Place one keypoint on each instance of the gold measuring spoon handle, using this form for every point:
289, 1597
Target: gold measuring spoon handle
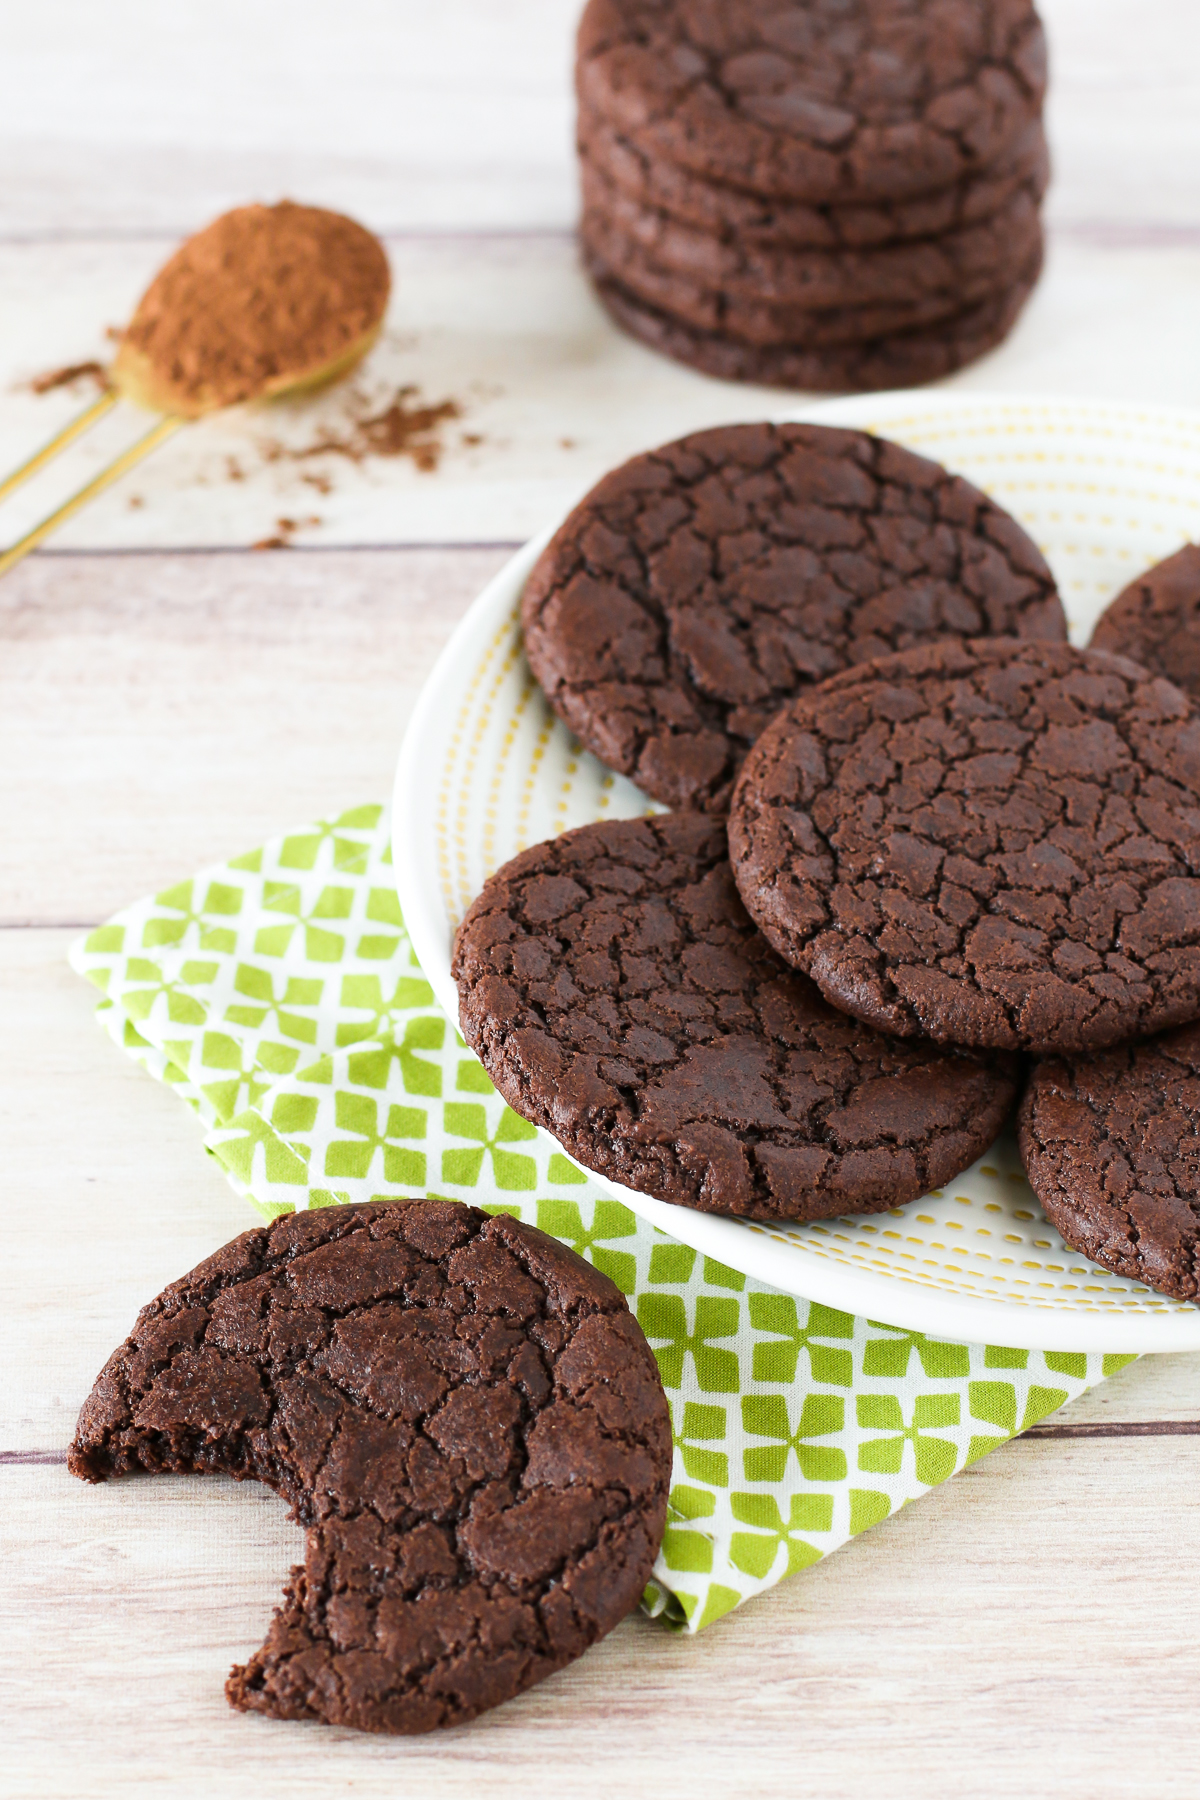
74, 428
113, 472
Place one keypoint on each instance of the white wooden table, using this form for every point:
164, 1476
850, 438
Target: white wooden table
170, 697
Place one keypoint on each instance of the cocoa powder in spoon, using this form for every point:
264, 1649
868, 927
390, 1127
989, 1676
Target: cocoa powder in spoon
257, 300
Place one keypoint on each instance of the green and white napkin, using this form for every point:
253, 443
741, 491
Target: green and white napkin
279, 995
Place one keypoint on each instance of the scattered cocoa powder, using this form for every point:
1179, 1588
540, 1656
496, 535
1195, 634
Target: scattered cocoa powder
72, 372
404, 430
263, 297
403, 427
285, 530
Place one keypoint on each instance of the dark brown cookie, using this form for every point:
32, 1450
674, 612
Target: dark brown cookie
983, 842
905, 360
810, 319
701, 585
719, 283
726, 213
849, 101
618, 995
463, 1414
1156, 620
1112, 1145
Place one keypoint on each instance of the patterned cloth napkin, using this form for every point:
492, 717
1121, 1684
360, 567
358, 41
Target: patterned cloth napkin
279, 995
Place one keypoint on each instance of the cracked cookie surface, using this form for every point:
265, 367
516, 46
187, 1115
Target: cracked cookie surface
769, 295
461, 1411
1111, 1142
984, 842
1156, 620
698, 587
618, 994
732, 215
830, 100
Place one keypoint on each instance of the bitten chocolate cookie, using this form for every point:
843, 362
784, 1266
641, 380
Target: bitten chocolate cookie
460, 1410
733, 214
841, 100
905, 360
1156, 620
699, 586
984, 842
1112, 1146
618, 995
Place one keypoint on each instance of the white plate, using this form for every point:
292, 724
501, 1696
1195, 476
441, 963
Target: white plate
486, 769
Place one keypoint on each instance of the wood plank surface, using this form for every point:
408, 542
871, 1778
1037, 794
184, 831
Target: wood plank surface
1020, 1630
162, 712
549, 394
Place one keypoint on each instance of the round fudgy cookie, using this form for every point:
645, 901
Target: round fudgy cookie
618, 994
701, 585
1156, 620
984, 842
731, 214
667, 262
810, 318
463, 1414
905, 360
817, 100
1111, 1142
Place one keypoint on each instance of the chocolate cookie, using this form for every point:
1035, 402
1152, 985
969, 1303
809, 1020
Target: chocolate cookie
984, 842
810, 318
461, 1412
266, 300
618, 995
848, 101
701, 585
652, 250
729, 213
1112, 1146
905, 360
1156, 620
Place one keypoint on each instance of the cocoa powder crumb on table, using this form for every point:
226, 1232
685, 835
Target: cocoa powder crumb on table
285, 530
402, 428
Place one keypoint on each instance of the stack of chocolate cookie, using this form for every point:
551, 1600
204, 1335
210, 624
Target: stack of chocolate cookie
821, 194
917, 838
